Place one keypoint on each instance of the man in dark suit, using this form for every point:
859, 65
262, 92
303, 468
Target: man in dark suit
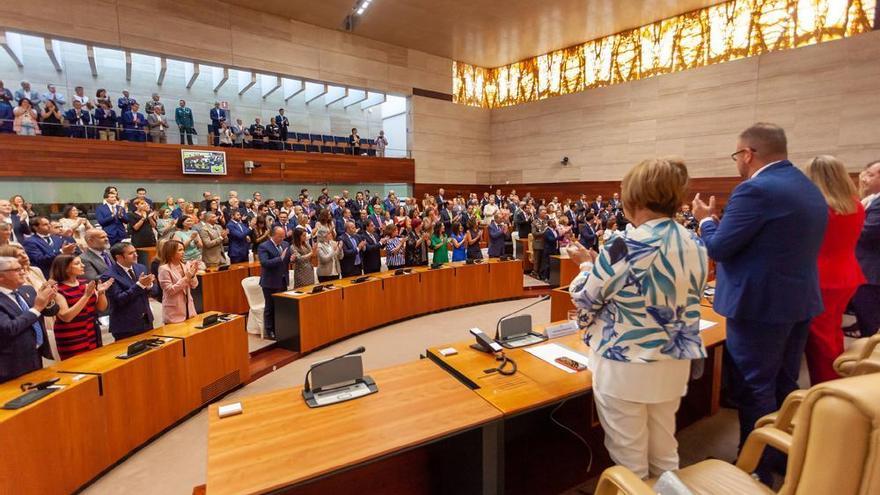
765, 247
615, 202
352, 251
283, 125
43, 247
125, 102
598, 205
376, 218
78, 120
446, 218
587, 235
218, 115
523, 221
20, 229
274, 255
441, 199
498, 235
96, 257
359, 204
134, 124
112, 217
23, 339
866, 302
372, 249
551, 247
239, 237
129, 295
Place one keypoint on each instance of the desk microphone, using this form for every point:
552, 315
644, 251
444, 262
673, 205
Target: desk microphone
307, 387
498, 325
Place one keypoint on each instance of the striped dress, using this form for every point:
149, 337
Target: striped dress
78, 335
394, 260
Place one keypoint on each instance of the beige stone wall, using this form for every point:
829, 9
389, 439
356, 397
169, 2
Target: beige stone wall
825, 96
220, 33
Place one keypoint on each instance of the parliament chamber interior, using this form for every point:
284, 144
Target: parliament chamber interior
565, 247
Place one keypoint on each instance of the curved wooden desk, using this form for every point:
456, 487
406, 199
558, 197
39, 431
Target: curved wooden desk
304, 322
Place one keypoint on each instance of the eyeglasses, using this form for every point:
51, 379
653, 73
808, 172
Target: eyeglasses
19, 270
733, 155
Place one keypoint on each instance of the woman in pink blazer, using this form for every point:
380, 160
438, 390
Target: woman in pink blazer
177, 281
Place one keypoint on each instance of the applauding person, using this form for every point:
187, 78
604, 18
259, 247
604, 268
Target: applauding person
129, 295
79, 302
440, 244
274, 256
177, 278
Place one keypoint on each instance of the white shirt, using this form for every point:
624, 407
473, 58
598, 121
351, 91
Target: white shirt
9, 294
870, 200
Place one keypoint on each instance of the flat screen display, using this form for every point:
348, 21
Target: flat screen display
203, 162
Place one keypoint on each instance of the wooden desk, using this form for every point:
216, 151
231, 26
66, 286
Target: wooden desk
304, 322
279, 442
222, 291
523, 253
562, 270
56, 444
560, 303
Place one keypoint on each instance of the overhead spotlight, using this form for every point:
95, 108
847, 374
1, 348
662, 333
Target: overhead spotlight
357, 10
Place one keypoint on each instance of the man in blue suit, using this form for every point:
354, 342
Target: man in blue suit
79, 121
133, 124
129, 295
23, 339
766, 247
111, 215
498, 234
587, 235
352, 251
218, 116
866, 302
43, 247
20, 230
239, 238
274, 255
125, 102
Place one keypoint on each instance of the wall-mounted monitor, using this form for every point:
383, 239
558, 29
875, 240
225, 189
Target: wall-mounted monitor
203, 162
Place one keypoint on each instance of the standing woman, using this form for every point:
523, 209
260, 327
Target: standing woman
416, 245
301, 258
395, 248
70, 219
177, 280
459, 243
839, 271
329, 254
189, 239
325, 228
165, 225
472, 239
79, 302
50, 120
141, 223
25, 123
259, 232
439, 244
639, 301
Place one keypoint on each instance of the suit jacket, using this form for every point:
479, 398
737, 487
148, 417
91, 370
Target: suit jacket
587, 236
217, 115
111, 222
18, 341
156, 122
105, 118
212, 244
238, 244
40, 253
350, 252
374, 218
125, 104
551, 242
372, 255
133, 124
130, 312
868, 247
94, 264
19, 228
766, 247
274, 272
183, 117
496, 240
71, 117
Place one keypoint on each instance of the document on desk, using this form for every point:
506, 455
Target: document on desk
549, 353
706, 324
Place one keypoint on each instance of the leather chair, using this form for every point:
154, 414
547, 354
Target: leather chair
858, 350
834, 450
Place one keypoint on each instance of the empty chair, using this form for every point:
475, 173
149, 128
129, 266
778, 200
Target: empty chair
254, 295
858, 350
340, 144
835, 448
327, 144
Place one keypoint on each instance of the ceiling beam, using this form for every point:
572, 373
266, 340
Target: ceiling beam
219, 75
291, 88
128, 65
11, 42
269, 84
246, 81
354, 97
334, 94
314, 91
190, 73
53, 50
373, 99
161, 69
93, 63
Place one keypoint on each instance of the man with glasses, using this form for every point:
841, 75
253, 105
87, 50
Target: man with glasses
24, 341
766, 247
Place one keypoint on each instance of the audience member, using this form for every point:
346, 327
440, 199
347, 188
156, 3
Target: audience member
381, 144
51, 120
839, 272
239, 235
372, 254
106, 121
354, 142
440, 244
6, 235
638, 388
134, 124
258, 133
498, 236
19, 224
129, 294
154, 105
212, 236
96, 256
77, 225
765, 247
217, 115
303, 256
43, 246
79, 95
25, 123
141, 223
26, 93
79, 121
79, 302
866, 303
22, 308
112, 217
274, 256
157, 123
329, 254
124, 103
177, 278
189, 238
183, 117
352, 248
539, 225
551, 248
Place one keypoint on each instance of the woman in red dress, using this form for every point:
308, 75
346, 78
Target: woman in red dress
78, 302
839, 272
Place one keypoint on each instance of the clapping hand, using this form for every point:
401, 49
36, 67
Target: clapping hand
192, 268
103, 286
90, 289
46, 295
193, 235
68, 248
284, 252
702, 210
579, 254
146, 280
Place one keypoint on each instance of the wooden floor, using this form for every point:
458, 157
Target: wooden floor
269, 359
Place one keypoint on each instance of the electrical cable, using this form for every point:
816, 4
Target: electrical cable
576, 434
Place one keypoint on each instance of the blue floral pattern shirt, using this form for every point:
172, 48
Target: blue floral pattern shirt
640, 302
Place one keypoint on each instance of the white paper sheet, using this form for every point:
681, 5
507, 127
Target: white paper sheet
549, 353
706, 324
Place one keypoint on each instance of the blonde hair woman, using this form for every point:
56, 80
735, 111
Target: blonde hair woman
839, 271
640, 306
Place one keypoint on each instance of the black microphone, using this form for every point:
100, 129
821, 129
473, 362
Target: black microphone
498, 325
307, 387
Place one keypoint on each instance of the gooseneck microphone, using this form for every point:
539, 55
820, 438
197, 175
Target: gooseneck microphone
498, 324
307, 387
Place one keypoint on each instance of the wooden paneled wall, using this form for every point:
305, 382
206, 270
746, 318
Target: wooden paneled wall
65, 158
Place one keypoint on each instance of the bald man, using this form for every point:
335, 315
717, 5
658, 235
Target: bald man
96, 257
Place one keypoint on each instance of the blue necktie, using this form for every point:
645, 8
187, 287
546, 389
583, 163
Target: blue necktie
357, 257
106, 258
38, 330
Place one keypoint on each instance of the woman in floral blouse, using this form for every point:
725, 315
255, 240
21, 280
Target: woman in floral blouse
639, 301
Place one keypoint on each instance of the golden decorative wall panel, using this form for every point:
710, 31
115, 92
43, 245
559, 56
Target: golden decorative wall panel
728, 31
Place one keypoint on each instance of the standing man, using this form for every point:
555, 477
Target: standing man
381, 144
354, 142
133, 124
27, 92
20, 228
539, 225
125, 102
498, 235
239, 236
866, 302
372, 254
274, 255
111, 215
79, 95
54, 96
352, 251
96, 257
183, 117
157, 123
283, 125
213, 236
78, 119
129, 294
218, 115
766, 248
155, 106
257, 132
43, 246
22, 308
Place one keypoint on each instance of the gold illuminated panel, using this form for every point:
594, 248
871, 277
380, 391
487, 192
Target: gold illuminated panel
727, 31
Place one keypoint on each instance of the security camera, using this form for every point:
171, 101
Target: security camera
564, 161
249, 166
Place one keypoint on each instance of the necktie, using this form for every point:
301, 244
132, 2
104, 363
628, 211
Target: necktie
38, 330
357, 257
106, 258
48, 240
131, 275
